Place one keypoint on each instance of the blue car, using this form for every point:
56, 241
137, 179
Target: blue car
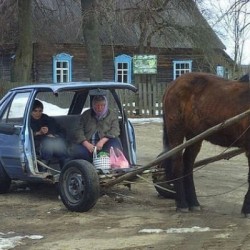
78, 181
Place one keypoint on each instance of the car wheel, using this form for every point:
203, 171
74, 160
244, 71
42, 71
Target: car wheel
5, 181
79, 185
163, 183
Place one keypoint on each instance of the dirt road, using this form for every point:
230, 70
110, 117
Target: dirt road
36, 219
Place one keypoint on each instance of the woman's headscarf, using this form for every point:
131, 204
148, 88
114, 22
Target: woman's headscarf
100, 98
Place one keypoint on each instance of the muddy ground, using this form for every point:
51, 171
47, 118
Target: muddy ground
143, 220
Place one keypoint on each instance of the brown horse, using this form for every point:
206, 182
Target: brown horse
193, 103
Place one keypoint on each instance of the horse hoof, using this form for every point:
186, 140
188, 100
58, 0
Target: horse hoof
182, 210
195, 208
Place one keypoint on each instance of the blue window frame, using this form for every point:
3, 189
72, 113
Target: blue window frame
123, 68
62, 68
220, 70
182, 67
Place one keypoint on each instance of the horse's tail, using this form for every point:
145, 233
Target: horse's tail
167, 163
165, 135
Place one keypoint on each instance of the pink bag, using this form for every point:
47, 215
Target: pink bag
117, 159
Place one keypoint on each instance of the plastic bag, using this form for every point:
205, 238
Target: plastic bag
117, 159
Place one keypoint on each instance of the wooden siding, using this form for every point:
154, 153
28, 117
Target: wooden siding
43, 61
7, 52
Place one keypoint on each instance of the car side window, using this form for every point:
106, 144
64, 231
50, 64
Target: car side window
14, 112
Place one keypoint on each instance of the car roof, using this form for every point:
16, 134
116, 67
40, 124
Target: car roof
74, 86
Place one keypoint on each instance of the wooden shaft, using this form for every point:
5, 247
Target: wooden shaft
166, 154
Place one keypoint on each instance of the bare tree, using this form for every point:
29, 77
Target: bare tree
92, 39
232, 23
8, 21
238, 16
60, 19
169, 24
23, 58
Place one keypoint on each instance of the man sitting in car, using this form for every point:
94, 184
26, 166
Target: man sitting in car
48, 136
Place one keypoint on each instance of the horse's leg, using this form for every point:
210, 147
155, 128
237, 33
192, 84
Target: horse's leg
246, 204
189, 157
176, 137
180, 195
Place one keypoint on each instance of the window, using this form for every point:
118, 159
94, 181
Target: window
182, 67
62, 68
220, 71
14, 112
123, 65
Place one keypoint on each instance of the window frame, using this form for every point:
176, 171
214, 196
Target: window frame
14, 112
124, 59
175, 62
220, 70
62, 58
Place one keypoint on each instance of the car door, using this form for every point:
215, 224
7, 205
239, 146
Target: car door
12, 133
127, 135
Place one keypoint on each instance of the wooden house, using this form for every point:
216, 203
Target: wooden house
148, 43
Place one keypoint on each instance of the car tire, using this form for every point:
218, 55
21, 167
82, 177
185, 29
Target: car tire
5, 181
161, 180
79, 185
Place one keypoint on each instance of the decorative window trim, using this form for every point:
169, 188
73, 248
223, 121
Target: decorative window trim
124, 59
175, 62
220, 70
62, 57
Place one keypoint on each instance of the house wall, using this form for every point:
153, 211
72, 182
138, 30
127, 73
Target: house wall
165, 60
5, 65
6, 59
43, 61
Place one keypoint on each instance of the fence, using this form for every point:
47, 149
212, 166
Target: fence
146, 102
